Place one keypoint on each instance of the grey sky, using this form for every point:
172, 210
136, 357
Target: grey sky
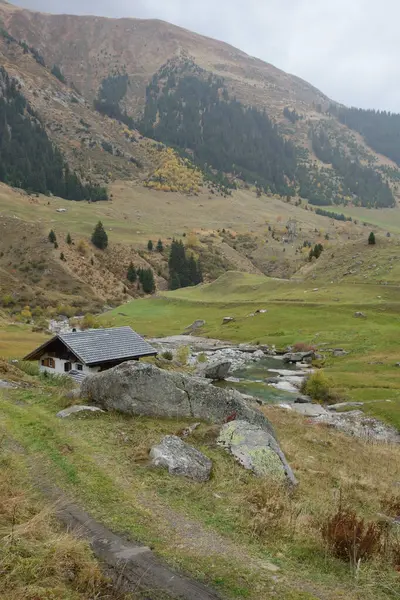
347, 48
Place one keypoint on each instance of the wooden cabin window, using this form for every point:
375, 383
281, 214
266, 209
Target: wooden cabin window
79, 367
49, 362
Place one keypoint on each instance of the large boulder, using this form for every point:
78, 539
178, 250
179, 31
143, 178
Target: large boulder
295, 357
256, 449
137, 388
181, 459
217, 370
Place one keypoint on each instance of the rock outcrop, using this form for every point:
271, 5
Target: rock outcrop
181, 459
143, 389
73, 410
295, 357
216, 370
256, 449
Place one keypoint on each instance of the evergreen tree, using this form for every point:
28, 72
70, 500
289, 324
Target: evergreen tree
371, 239
131, 274
62, 257
183, 271
56, 71
69, 239
52, 237
100, 237
160, 246
148, 282
150, 246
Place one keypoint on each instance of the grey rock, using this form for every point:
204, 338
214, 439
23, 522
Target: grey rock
303, 400
360, 315
259, 354
273, 380
227, 320
181, 459
309, 410
74, 394
142, 389
256, 450
341, 405
339, 352
194, 326
72, 410
217, 370
295, 357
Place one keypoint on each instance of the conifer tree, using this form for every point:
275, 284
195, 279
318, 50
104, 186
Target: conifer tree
100, 237
371, 239
148, 282
69, 239
160, 246
150, 246
131, 274
52, 237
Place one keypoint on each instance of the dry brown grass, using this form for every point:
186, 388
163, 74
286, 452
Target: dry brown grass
37, 559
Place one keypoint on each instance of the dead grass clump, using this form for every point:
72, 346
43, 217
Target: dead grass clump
390, 505
36, 559
350, 538
268, 508
303, 347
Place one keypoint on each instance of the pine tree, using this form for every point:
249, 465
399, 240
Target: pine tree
69, 239
131, 274
371, 239
160, 246
150, 246
148, 282
52, 237
62, 257
100, 237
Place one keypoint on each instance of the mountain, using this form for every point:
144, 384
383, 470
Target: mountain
237, 117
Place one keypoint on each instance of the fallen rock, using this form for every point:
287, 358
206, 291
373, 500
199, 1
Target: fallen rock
360, 315
256, 450
359, 425
303, 400
194, 326
295, 357
181, 459
227, 320
259, 354
341, 405
142, 389
217, 370
339, 352
72, 410
308, 410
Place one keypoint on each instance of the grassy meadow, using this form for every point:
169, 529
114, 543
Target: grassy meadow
297, 312
246, 538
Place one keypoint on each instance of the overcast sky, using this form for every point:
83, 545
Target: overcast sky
349, 49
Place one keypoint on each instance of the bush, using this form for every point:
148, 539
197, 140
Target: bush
303, 347
202, 358
318, 386
167, 355
89, 321
350, 538
182, 354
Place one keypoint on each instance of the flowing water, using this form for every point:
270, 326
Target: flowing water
252, 380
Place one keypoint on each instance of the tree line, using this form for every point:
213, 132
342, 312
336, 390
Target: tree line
189, 111
28, 159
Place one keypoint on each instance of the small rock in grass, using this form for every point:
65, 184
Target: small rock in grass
72, 410
181, 459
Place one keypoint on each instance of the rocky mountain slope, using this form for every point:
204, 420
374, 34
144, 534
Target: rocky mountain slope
135, 70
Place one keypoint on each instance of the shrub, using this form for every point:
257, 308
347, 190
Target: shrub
7, 300
52, 237
202, 358
167, 355
318, 386
267, 507
82, 247
89, 321
182, 354
350, 538
303, 347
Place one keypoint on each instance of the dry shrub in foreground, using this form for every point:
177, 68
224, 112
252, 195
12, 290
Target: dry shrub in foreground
303, 347
349, 538
268, 508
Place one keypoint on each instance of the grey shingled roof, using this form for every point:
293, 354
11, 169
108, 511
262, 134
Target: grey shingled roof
97, 346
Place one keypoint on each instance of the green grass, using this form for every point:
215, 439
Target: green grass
296, 313
100, 460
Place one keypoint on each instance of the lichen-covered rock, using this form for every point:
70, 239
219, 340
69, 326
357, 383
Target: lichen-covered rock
256, 450
181, 459
142, 389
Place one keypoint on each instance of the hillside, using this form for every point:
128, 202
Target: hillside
153, 79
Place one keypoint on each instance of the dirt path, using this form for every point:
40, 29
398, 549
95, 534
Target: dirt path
133, 565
